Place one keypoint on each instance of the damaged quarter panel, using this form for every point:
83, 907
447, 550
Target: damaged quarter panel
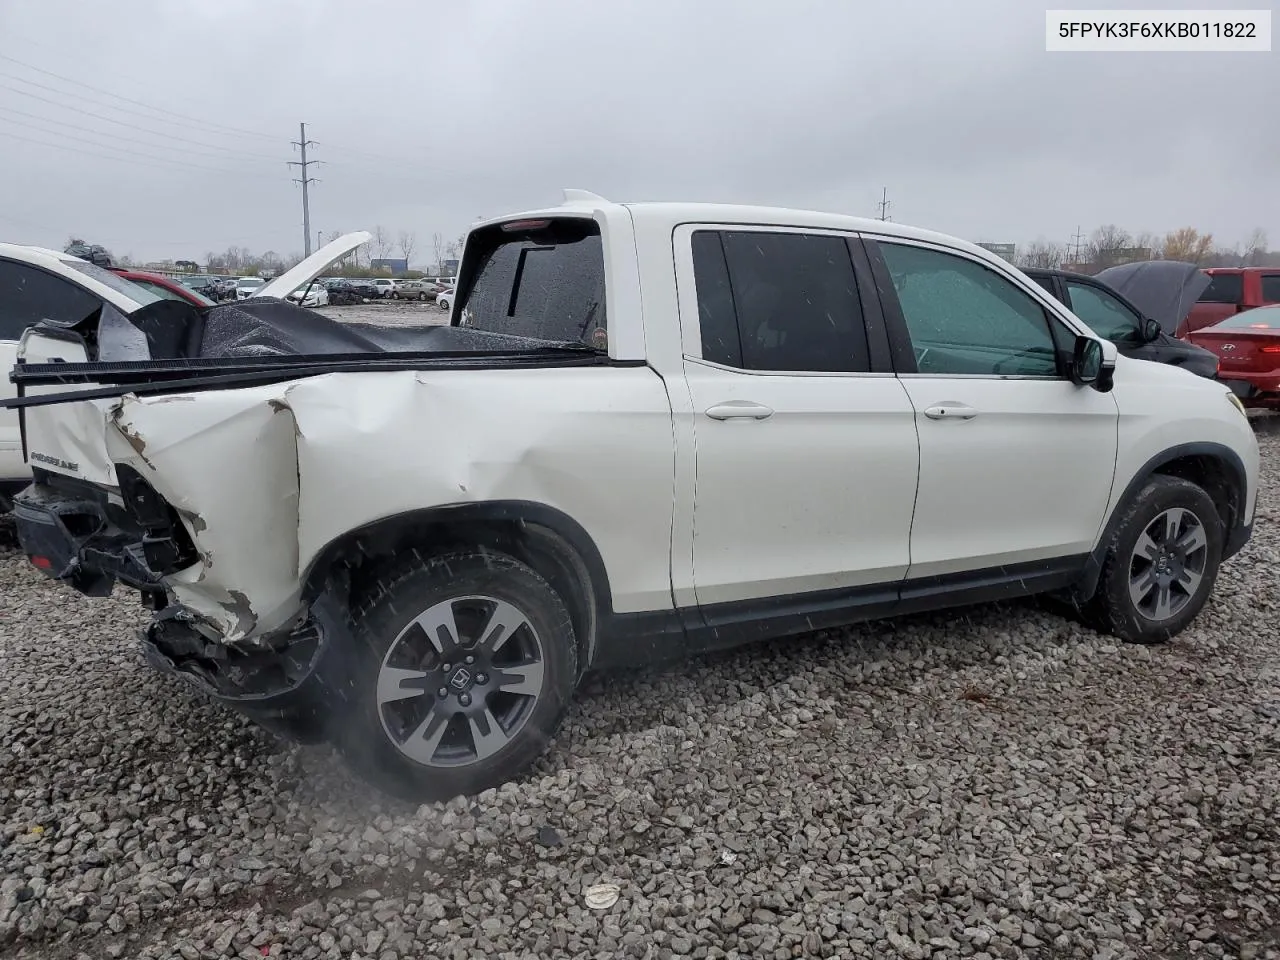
592, 442
228, 465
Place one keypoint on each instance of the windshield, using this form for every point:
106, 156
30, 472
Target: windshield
544, 283
113, 280
1263, 318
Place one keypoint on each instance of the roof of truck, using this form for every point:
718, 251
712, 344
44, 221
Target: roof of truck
669, 213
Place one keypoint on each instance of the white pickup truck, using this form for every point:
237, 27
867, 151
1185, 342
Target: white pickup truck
649, 429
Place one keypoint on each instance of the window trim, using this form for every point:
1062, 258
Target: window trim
65, 279
873, 320
904, 352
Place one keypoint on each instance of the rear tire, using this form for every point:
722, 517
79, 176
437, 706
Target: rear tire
466, 663
1160, 565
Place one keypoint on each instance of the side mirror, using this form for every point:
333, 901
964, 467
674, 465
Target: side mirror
1086, 362
1150, 330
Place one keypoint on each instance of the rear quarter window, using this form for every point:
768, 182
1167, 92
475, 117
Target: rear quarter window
543, 283
1271, 288
1224, 288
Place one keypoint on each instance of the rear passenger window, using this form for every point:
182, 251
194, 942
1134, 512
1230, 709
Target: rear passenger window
778, 301
1271, 288
1224, 288
29, 295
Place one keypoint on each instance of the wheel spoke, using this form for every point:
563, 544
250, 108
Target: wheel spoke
439, 626
1147, 547
422, 743
395, 683
1192, 540
1164, 602
1172, 524
524, 679
1140, 587
486, 733
1190, 581
503, 622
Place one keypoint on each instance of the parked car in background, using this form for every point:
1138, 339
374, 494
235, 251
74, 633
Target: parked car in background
314, 294
385, 286
1111, 315
366, 288
202, 283
414, 290
248, 287
1248, 347
1233, 290
224, 288
343, 293
40, 284
444, 299
164, 287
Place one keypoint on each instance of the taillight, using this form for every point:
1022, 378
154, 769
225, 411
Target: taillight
41, 563
1274, 349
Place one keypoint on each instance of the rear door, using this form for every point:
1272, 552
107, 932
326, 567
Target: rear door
806, 453
1016, 461
29, 294
1221, 299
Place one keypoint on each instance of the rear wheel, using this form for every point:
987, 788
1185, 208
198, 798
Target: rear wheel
1161, 563
468, 662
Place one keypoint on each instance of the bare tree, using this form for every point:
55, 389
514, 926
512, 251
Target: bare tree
437, 250
408, 243
1043, 255
1255, 249
1150, 242
1107, 245
381, 242
1188, 244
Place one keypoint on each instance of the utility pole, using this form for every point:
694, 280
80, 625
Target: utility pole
884, 205
302, 143
1075, 257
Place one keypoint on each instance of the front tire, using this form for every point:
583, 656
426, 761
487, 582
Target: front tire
1161, 563
467, 662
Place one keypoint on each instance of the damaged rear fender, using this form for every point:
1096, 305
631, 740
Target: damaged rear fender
229, 466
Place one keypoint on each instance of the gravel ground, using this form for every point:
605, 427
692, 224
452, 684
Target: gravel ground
407, 312
995, 783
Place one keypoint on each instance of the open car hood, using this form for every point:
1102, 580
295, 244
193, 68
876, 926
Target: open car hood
1164, 290
314, 265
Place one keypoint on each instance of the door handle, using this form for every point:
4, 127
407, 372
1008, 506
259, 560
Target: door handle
950, 411
739, 410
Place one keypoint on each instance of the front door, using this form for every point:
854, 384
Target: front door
806, 461
1016, 461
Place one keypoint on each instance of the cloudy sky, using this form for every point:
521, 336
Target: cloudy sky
161, 127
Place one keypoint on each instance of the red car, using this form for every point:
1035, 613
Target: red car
1231, 291
164, 287
1248, 349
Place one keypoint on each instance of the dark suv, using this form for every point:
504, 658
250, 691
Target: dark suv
1112, 316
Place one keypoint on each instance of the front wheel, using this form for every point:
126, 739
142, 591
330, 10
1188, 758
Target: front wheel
467, 664
1161, 563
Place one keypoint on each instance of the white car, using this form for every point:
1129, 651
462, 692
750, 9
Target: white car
385, 286
247, 287
315, 295
444, 299
39, 284
649, 429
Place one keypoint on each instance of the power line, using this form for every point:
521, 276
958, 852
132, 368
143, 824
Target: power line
202, 124
142, 143
99, 156
302, 143
122, 123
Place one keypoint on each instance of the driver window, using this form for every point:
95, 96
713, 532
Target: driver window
1106, 315
964, 318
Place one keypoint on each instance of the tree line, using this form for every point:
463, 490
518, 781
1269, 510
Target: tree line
1110, 245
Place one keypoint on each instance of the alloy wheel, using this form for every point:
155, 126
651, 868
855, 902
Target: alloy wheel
1167, 565
460, 681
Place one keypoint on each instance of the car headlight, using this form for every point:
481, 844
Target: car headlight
1237, 403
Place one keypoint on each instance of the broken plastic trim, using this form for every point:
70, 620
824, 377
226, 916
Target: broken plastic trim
155, 377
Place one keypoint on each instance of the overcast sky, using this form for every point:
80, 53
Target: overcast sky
428, 115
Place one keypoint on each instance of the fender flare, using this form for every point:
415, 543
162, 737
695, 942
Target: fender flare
1235, 471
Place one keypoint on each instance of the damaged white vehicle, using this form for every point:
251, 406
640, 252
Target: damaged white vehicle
650, 429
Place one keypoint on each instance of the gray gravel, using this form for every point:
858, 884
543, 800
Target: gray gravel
997, 783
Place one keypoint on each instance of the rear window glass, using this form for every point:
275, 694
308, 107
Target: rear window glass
1263, 318
113, 280
1271, 288
1224, 288
544, 284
